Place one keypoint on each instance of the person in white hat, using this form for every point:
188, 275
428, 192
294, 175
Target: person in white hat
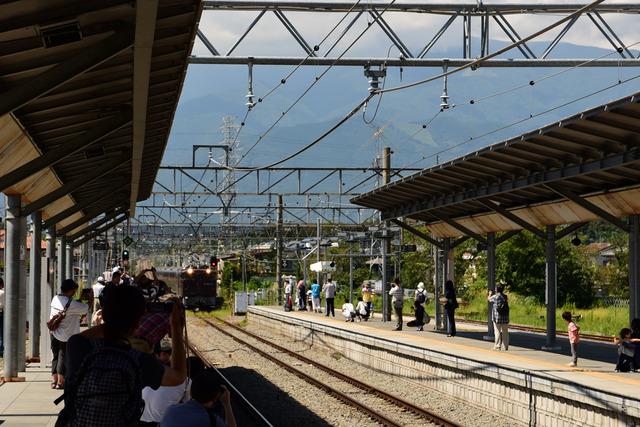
97, 290
421, 294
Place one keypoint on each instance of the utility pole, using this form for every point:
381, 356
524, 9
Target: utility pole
279, 249
386, 243
318, 238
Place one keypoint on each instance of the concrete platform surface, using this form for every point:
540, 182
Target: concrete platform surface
596, 363
29, 403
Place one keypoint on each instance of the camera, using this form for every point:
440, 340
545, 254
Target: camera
160, 307
86, 294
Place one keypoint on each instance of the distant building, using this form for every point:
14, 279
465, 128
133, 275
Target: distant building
602, 254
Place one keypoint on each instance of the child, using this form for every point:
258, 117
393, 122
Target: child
419, 321
626, 350
574, 337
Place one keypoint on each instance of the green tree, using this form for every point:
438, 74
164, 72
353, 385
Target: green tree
521, 265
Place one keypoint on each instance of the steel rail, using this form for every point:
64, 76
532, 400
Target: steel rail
436, 419
302, 375
255, 413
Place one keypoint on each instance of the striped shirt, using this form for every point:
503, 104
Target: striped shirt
397, 295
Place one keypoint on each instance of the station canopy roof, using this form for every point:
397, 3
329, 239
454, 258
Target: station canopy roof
576, 170
88, 93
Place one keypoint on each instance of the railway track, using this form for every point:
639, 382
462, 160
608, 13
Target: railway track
345, 398
237, 396
524, 328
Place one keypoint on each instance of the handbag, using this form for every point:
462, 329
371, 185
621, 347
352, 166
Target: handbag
54, 322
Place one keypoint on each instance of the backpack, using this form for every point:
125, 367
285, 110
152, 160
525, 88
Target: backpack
106, 391
420, 297
502, 306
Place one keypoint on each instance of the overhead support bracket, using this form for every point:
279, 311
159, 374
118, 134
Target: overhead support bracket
514, 218
506, 236
76, 207
587, 205
91, 227
72, 186
49, 80
418, 233
460, 228
52, 157
570, 229
100, 230
86, 218
458, 242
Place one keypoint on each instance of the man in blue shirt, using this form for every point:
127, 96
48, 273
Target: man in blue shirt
206, 390
315, 294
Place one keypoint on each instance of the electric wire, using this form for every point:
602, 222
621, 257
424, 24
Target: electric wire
475, 63
519, 121
317, 79
284, 79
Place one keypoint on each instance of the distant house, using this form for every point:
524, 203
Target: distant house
602, 254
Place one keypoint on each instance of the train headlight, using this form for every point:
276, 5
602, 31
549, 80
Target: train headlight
208, 271
190, 270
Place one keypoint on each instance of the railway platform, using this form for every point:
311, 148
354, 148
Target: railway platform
527, 384
30, 402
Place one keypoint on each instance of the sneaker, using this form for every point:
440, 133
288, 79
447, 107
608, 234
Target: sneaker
572, 364
419, 329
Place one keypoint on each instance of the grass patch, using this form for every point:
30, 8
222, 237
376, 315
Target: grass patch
527, 311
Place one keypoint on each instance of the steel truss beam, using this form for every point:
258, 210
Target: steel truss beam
490, 18
100, 230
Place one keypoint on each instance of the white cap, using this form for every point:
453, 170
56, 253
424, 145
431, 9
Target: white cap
100, 279
116, 270
420, 285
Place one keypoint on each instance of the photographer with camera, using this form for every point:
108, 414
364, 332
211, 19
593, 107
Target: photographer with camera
102, 360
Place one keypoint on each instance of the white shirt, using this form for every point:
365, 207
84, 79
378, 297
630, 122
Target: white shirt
156, 402
362, 308
97, 289
287, 289
70, 325
1, 299
347, 309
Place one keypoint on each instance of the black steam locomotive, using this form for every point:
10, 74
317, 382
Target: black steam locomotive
196, 286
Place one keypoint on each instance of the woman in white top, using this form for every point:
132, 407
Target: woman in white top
69, 326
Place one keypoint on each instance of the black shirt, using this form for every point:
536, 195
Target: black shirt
79, 346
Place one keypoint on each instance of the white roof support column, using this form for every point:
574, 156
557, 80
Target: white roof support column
146, 11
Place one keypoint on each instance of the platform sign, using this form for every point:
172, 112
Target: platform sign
127, 240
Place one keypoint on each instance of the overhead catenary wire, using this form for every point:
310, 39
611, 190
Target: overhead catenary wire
285, 78
456, 70
316, 80
530, 83
475, 63
519, 121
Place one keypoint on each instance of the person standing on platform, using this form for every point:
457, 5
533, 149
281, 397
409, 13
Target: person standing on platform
302, 295
500, 314
418, 322
574, 337
329, 290
450, 307
69, 325
315, 295
367, 297
1, 318
287, 296
397, 300
97, 290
